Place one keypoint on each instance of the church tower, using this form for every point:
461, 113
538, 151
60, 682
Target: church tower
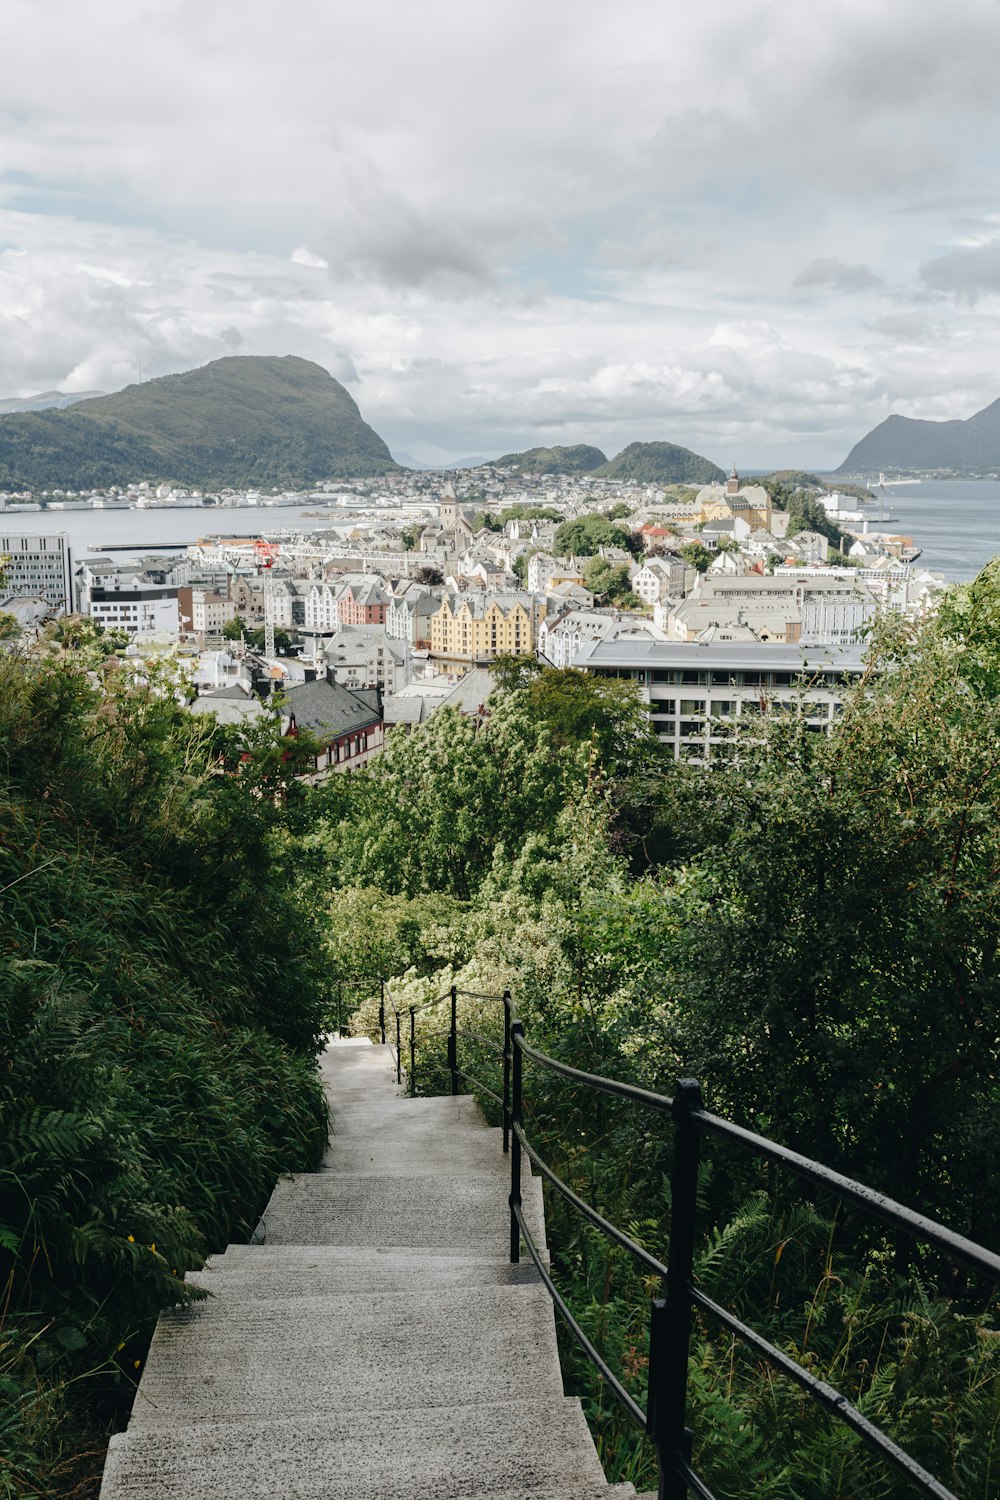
448, 507
733, 485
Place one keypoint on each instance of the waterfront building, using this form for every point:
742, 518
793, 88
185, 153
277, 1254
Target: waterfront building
38, 564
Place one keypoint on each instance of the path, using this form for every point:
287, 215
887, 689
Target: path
378, 1345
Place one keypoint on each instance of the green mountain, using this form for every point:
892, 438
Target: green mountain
577, 459
969, 447
248, 420
660, 463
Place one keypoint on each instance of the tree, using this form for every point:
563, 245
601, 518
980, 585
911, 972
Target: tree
610, 581
234, 628
697, 556
586, 535
428, 574
9, 628
410, 536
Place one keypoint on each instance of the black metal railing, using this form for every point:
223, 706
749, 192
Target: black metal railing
366, 987
665, 1419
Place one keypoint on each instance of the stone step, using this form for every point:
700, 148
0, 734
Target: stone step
223, 1361
533, 1449
418, 1152
402, 1114
374, 1255
452, 1212
311, 1274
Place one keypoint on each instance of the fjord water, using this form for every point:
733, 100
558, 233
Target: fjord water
955, 522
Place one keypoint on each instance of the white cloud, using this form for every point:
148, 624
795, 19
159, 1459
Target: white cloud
493, 218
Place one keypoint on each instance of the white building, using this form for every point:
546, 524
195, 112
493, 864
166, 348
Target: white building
139, 611
699, 696
38, 564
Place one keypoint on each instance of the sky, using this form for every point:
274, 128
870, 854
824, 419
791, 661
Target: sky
754, 229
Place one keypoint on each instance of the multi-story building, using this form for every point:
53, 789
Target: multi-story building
203, 614
699, 696
478, 627
40, 565
139, 611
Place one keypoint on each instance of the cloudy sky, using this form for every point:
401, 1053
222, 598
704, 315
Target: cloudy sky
751, 228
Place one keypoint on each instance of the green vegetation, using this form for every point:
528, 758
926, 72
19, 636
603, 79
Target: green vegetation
813, 930
697, 556
584, 536
805, 510
237, 422
159, 1011
609, 583
660, 463
577, 458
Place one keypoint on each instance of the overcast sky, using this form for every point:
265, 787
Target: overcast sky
754, 229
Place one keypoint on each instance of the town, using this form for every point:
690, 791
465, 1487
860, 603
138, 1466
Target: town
713, 600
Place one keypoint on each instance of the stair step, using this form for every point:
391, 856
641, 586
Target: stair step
407, 1115
311, 1275
422, 1152
403, 1255
510, 1450
453, 1212
224, 1360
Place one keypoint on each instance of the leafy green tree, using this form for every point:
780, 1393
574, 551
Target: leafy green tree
234, 628
697, 556
610, 582
583, 537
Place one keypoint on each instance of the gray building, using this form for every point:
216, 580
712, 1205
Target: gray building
39, 565
699, 694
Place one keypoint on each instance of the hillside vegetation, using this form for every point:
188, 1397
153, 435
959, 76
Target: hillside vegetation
813, 930
660, 463
159, 1012
575, 459
906, 443
239, 422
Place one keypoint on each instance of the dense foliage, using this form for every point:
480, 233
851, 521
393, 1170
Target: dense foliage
237, 422
159, 1014
576, 458
813, 929
660, 463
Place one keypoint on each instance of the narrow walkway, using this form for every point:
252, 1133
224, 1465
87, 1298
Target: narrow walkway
377, 1345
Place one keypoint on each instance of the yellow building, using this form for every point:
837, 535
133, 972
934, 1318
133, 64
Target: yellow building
479, 627
721, 502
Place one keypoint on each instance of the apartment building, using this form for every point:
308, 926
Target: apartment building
699, 695
479, 627
39, 565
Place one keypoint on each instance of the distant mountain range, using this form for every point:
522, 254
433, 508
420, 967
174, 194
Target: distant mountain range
46, 400
248, 420
641, 463
969, 447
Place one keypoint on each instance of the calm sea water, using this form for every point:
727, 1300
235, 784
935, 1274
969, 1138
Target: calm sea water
956, 522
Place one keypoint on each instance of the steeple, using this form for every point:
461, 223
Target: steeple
733, 487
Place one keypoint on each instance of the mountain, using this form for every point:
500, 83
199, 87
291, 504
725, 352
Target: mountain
660, 463
248, 420
45, 401
971, 447
577, 459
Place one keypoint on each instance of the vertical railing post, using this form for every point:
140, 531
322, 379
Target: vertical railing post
413, 1050
516, 1033
670, 1326
453, 1041
340, 1009
506, 1071
399, 1053
381, 1009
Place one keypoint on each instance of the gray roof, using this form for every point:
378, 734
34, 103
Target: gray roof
328, 709
398, 710
471, 692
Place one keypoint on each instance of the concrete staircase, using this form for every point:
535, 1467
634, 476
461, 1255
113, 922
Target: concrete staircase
377, 1345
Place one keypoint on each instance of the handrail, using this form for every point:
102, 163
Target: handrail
671, 1318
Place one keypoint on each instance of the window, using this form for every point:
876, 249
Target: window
663, 705
723, 707
692, 705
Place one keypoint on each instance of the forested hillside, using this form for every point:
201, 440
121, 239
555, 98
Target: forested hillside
160, 985
812, 929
